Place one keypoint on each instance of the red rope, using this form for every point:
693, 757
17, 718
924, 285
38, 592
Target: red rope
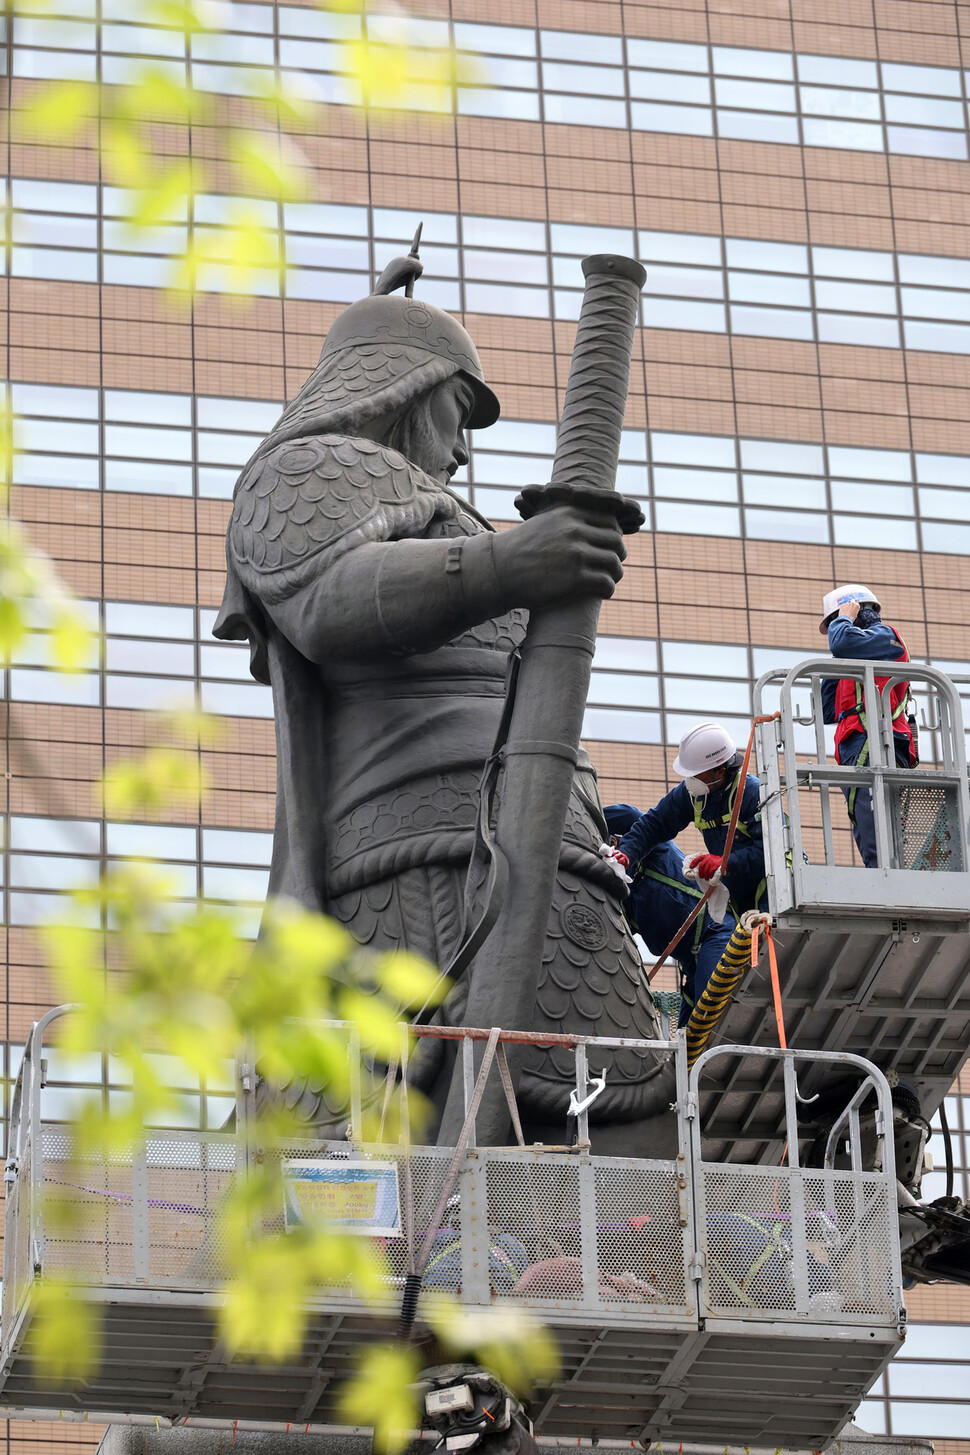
775, 982
726, 854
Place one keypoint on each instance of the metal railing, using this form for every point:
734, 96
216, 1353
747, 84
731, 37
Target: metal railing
820, 1242
139, 1218
921, 815
653, 1242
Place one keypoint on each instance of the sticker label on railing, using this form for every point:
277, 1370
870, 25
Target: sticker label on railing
356, 1197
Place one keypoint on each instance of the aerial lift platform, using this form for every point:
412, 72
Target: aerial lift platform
690, 1299
871, 961
745, 1291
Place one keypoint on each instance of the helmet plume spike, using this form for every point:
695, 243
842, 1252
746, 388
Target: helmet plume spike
402, 271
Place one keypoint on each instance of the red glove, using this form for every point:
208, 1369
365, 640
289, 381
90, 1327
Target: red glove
621, 858
706, 865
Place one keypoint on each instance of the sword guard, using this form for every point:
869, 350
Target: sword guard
625, 510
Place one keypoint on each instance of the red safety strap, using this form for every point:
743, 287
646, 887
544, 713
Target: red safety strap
726, 853
775, 983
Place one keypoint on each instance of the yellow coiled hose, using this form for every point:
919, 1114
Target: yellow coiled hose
725, 979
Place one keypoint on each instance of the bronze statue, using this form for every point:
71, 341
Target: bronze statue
383, 611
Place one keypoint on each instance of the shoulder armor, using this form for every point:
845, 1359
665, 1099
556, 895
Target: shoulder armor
306, 502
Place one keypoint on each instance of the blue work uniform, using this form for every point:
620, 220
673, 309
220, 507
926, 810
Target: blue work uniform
745, 879
660, 901
875, 643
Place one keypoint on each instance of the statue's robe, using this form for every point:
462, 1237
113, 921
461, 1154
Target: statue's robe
379, 760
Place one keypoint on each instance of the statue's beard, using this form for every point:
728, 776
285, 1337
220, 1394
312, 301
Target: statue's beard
414, 436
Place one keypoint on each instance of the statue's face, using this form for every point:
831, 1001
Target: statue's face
441, 449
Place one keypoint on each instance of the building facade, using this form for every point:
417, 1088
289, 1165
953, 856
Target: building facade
793, 173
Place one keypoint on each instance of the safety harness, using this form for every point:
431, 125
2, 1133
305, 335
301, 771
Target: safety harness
850, 715
723, 821
775, 1246
684, 888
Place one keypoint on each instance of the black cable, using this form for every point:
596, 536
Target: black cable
409, 1306
947, 1147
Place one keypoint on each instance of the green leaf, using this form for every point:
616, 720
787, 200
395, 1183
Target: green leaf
13, 626
377, 1021
153, 93
381, 71
381, 1394
61, 112
180, 14
192, 726
409, 981
65, 1333
270, 165
123, 157
264, 1314
71, 640
311, 942
283, 101
161, 778
506, 1340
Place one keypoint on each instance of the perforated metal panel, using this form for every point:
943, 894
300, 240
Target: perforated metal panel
644, 1232
783, 1242
145, 1215
547, 1230
926, 829
17, 1270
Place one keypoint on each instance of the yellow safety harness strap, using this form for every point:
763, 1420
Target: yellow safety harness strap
774, 1243
701, 823
898, 710
725, 855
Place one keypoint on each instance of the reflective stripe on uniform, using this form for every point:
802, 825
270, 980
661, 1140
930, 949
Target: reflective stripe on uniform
684, 888
702, 823
773, 1244
860, 762
850, 704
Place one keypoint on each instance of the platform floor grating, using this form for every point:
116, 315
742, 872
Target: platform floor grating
900, 1001
676, 1382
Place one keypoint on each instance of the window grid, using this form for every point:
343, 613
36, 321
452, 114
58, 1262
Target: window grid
763, 489
524, 74
915, 115
695, 282
145, 658
44, 858
136, 441
150, 657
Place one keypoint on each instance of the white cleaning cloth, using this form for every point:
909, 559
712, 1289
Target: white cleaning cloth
718, 903
607, 852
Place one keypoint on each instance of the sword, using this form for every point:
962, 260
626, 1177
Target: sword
540, 754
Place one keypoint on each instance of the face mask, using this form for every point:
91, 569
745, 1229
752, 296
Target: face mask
696, 787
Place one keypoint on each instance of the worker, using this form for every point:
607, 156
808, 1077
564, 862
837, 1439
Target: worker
710, 765
852, 622
660, 900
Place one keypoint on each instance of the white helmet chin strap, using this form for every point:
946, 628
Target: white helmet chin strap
696, 787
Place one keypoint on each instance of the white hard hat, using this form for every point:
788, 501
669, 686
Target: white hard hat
703, 747
832, 600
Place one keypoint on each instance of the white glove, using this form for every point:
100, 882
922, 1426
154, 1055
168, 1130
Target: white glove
616, 862
717, 905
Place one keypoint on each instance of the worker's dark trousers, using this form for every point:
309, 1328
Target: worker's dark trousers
697, 971
859, 800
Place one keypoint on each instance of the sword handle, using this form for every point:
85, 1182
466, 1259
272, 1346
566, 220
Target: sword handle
588, 444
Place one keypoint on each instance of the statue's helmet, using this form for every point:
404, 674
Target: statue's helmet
380, 354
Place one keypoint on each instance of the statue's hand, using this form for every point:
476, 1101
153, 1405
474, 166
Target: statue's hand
559, 554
